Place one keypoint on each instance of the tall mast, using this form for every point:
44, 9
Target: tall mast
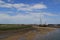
40, 20
45, 20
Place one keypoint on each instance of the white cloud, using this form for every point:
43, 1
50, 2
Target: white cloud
20, 18
39, 6
31, 17
9, 0
29, 7
4, 18
1, 2
49, 14
22, 6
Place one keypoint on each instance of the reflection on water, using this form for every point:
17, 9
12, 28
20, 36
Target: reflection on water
37, 34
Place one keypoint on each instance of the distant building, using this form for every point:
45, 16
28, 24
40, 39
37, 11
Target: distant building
53, 25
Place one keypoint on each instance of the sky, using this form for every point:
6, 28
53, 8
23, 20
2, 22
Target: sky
29, 11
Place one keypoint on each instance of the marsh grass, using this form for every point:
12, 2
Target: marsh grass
13, 26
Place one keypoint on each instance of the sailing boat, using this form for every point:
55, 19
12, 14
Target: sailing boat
41, 22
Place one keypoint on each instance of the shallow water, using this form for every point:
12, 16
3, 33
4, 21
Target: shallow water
32, 35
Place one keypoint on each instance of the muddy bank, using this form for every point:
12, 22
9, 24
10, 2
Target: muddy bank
24, 34
7, 33
32, 34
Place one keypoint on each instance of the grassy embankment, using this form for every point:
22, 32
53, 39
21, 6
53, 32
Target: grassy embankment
13, 26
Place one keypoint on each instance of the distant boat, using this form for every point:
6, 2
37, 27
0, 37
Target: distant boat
41, 22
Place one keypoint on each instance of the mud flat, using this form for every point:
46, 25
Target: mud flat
10, 34
38, 33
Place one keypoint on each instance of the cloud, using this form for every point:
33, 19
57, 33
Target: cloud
5, 18
39, 6
50, 14
24, 19
22, 6
30, 17
9, 0
3, 4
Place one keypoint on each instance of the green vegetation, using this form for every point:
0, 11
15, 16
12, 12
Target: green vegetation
13, 26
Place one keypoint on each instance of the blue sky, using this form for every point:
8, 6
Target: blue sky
29, 11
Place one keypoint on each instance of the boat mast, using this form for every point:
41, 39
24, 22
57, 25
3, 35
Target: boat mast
40, 20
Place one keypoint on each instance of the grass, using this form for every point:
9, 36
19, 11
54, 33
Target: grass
13, 26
